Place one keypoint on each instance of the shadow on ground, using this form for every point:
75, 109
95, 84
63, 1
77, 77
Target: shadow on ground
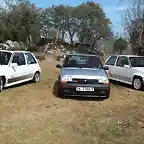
55, 93
18, 85
121, 84
54, 90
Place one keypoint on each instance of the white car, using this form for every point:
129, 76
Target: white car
17, 67
128, 69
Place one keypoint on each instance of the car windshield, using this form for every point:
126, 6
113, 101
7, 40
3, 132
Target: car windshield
4, 57
81, 61
137, 61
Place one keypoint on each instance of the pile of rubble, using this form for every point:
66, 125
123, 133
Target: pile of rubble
50, 48
10, 45
58, 51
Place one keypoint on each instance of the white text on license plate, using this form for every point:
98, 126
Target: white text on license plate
84, 89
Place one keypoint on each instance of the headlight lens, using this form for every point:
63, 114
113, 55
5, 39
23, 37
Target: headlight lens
103, 80
66, 78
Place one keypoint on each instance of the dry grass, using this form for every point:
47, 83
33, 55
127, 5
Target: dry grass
30, 114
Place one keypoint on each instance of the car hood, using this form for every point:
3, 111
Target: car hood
84, 72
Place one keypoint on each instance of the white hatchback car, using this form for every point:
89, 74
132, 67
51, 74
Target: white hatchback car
17, 67
128, 69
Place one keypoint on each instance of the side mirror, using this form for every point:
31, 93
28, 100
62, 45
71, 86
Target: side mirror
127, 66
13, 64
58, 66
106, 68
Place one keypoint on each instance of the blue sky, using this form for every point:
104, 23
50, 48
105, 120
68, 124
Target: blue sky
112, 8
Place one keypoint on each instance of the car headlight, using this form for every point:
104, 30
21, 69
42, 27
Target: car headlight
104, 80
66, 78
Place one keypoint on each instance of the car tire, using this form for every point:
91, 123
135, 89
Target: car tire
36, 77
107, 97
137, 83
60, 92
1, 84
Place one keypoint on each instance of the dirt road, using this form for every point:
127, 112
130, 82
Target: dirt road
31, 114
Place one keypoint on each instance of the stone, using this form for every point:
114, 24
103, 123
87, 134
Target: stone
4, 46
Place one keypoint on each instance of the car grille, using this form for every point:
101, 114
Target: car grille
85, 81
94, 93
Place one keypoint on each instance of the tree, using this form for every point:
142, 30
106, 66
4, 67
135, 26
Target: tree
60, 20
21, 22
134, 24
120, 45
71, 23
87, 21
47, 21
65, 21
3, 27
93, 23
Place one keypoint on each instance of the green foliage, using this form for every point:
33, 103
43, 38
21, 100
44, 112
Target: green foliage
20, 22
23, 21
120, 45
93, 23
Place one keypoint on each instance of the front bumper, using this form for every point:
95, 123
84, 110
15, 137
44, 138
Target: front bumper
100, 90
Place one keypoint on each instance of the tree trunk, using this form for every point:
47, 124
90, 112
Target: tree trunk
113, 51
71, 35
62, 36
57, 34
81, 39
71, 39
94, 42
120, 51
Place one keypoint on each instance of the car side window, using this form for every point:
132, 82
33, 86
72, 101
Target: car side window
111, 60
30, 59
19, 59
122, 60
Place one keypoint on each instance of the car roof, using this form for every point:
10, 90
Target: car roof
126, 55
15, 51
82, 54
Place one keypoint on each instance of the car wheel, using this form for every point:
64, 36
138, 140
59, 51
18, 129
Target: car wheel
107, 97
1, 84
36, 77
59, 91
137, 83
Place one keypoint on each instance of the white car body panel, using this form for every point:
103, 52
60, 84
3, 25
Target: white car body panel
33, 67
25, 72
18, 71
123, 74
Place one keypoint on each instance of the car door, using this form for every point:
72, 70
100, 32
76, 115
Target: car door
32, 64
20, 71
123, 73
111, 64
